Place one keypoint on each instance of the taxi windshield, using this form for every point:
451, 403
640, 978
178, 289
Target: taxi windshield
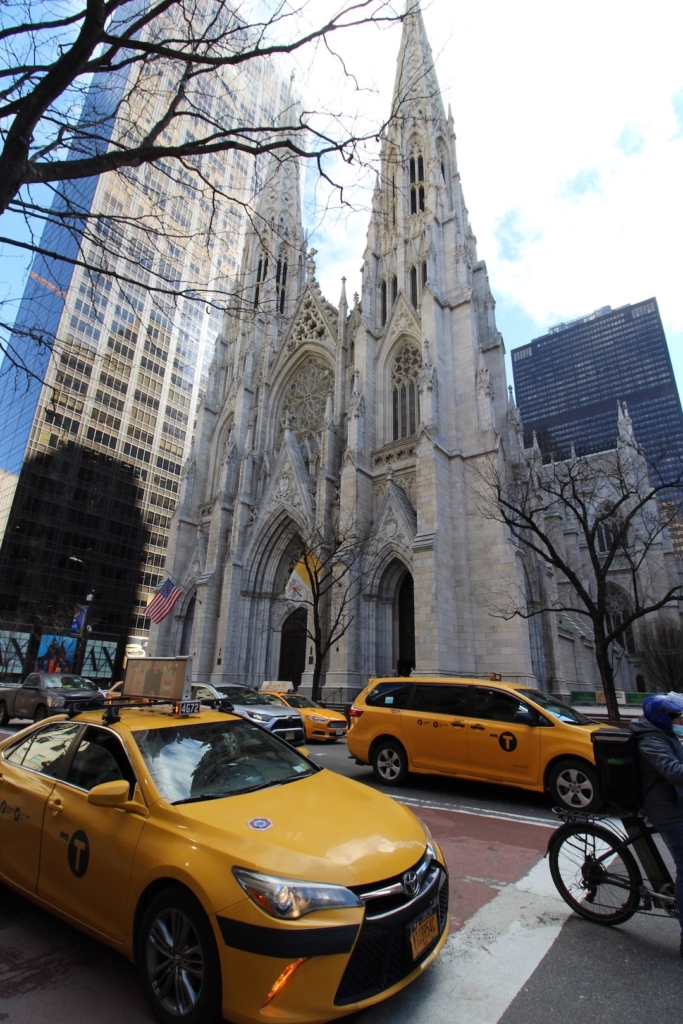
210, 760
295, 701
555, 707
241, 695
57, 682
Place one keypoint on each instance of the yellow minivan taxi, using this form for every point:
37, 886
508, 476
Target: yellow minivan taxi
488, 731
245, 881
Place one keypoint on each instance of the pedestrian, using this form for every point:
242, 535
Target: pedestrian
660, 754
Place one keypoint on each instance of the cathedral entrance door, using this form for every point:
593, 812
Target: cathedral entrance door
293, 647
406, 626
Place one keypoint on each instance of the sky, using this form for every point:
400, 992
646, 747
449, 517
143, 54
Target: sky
569, 124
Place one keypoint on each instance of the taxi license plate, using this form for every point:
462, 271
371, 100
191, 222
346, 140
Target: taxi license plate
423, 932
290, 735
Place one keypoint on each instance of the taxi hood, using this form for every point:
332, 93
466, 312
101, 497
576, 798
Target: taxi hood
322, 828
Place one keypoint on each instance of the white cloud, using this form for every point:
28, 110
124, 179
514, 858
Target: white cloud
570, 146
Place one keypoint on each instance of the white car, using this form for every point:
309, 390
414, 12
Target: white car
282, 721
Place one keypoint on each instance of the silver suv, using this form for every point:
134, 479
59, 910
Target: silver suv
282, 721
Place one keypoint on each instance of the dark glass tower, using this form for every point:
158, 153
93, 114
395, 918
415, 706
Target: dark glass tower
567, 384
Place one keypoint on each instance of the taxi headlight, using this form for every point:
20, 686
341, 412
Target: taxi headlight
55, 702
316, 718
259, 716
431, 845
289, 898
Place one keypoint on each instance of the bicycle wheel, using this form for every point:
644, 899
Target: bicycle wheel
607, 891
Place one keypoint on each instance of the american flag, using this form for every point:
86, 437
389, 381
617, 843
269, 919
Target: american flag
163, 601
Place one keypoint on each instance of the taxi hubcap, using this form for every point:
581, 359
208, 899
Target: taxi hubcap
574, 788
389, 764
175, 962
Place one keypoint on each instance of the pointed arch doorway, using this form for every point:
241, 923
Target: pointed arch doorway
404, 622
293, 647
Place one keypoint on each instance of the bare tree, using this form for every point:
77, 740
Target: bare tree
660, 649
598, 523
334, 566
153, 92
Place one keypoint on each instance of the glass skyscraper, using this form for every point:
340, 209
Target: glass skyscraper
567, 384
93, 442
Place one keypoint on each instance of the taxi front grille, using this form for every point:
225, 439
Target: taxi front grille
283, 725
382, 956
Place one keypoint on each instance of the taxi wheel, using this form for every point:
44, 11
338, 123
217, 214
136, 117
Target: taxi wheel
389, 763
574, 784
178, 960
40, 713
4, 716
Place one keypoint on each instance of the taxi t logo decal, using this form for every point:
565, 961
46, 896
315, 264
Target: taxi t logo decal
78, 853
260, 824
508, 741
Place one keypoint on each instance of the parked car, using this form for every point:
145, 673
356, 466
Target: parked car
43, 694
319, 722
248, 703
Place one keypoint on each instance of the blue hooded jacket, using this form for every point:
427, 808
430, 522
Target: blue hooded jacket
661, 771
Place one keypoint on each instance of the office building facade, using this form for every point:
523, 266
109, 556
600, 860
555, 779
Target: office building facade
567, 384
94, 441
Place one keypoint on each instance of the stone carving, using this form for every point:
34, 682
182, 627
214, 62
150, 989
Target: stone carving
306, 399
407, 366
310, 325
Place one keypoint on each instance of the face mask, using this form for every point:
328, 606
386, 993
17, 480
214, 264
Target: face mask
678, 730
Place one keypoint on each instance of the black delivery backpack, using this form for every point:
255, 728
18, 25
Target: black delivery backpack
618, 770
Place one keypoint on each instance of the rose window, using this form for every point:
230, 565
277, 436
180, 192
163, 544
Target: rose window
306, 398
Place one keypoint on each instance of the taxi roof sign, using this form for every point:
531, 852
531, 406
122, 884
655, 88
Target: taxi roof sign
276, 686
162, 678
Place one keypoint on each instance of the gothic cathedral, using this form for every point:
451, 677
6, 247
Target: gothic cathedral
372, 414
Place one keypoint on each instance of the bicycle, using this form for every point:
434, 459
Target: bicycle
596, 873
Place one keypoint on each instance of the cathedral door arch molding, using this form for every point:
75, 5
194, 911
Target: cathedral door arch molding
272, 555
395, 622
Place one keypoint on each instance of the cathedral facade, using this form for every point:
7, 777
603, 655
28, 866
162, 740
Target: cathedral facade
373, 412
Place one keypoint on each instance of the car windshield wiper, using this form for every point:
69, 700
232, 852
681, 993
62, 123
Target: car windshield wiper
240, 792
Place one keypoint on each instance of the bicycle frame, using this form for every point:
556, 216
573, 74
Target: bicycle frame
639, 837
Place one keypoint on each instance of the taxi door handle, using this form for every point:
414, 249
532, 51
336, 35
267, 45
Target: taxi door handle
458, 725
2, 778
55, 805
479, 728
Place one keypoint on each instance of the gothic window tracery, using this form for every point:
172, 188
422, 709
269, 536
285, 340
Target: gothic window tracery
617, 611
306, 398
404, 377
281, 283
261, 272
417, 177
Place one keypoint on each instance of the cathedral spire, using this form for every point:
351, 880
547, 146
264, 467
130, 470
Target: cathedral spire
416, 89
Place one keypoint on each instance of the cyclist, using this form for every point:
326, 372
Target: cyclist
661, 770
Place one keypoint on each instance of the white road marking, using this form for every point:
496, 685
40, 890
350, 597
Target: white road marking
484, 965
479, 812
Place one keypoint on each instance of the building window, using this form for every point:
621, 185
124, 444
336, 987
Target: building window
617, 611
404, 375
394, 290
383, 303
413, 286
281, 284
393, 199
424, 274
260, 278
417, 189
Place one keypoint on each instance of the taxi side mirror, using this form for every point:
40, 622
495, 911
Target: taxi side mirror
525, 718
304, 750
109, 794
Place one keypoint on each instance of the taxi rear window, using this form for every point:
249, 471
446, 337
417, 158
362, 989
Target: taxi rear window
389, 695
210, 760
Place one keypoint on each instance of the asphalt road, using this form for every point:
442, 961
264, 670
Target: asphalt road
516, 954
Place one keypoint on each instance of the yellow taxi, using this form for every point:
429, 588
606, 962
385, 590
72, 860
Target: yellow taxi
243, 880
498, 732
320, 723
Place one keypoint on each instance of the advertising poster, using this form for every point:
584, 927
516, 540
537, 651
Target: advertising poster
155, 677
56, 653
